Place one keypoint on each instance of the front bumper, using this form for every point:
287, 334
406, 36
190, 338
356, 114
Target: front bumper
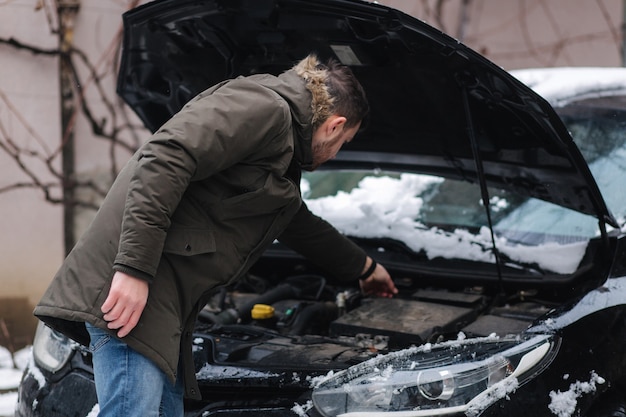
72, 395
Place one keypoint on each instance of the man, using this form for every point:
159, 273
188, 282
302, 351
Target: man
191, 211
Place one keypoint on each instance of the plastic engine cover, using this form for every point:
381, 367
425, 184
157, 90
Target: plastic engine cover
403, 321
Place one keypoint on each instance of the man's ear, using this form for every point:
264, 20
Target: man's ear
335, 124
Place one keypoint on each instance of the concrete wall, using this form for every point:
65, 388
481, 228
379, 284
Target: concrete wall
31, 243
29, 236
512, 33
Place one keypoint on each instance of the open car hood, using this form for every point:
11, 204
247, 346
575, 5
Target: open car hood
436, 106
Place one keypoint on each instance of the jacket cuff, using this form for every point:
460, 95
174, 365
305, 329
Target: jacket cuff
133, 272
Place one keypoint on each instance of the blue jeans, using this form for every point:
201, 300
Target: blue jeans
129, 384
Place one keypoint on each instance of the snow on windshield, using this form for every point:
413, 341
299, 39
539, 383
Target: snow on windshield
385, 207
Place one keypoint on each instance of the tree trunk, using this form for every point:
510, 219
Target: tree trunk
67, 10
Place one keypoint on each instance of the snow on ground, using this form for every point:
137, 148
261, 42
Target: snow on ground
11, 368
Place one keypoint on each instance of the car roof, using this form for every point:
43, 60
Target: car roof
561, 86
436, 105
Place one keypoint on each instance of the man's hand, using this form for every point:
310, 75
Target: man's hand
125, 302
379, 283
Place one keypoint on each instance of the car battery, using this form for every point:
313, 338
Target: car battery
403, 321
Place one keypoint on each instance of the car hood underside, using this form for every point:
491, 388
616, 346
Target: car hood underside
436, 105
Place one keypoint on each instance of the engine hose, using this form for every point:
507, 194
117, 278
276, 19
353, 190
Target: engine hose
318, 314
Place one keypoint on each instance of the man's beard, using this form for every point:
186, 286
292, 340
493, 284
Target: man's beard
321, 152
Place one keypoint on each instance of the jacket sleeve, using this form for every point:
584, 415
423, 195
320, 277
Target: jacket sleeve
324, 245
237, 121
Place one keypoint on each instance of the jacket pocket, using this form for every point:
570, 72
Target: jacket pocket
97, 338
189, 242
276, 193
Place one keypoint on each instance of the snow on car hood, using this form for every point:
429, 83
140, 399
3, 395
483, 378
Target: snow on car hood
436, 106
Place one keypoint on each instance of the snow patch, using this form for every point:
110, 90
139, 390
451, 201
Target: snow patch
34, 371
301, 410
94, 411
498, 391
316, 381
7, 403
560, 86
11, 370
9, 378
6, 360
563, 404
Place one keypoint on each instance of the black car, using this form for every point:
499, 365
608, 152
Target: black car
482, 201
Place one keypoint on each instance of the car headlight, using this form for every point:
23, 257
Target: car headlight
51, 349
464, 376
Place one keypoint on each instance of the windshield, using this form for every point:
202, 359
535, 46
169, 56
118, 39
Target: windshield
445, 218
598, 126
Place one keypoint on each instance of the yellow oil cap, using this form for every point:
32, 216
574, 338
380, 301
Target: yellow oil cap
262, 311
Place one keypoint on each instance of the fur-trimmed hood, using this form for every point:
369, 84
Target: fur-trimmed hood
308, 111
315, 75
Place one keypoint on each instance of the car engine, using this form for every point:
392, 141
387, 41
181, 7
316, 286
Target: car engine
269, 324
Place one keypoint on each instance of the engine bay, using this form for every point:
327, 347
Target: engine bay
307, 322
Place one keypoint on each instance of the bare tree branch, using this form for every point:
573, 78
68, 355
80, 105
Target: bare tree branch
31, 48
105, 126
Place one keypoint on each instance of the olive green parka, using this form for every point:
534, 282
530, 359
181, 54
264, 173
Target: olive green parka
196, 206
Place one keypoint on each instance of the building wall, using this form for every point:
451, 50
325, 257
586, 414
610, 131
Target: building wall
529, 33
31, 237
514, 34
